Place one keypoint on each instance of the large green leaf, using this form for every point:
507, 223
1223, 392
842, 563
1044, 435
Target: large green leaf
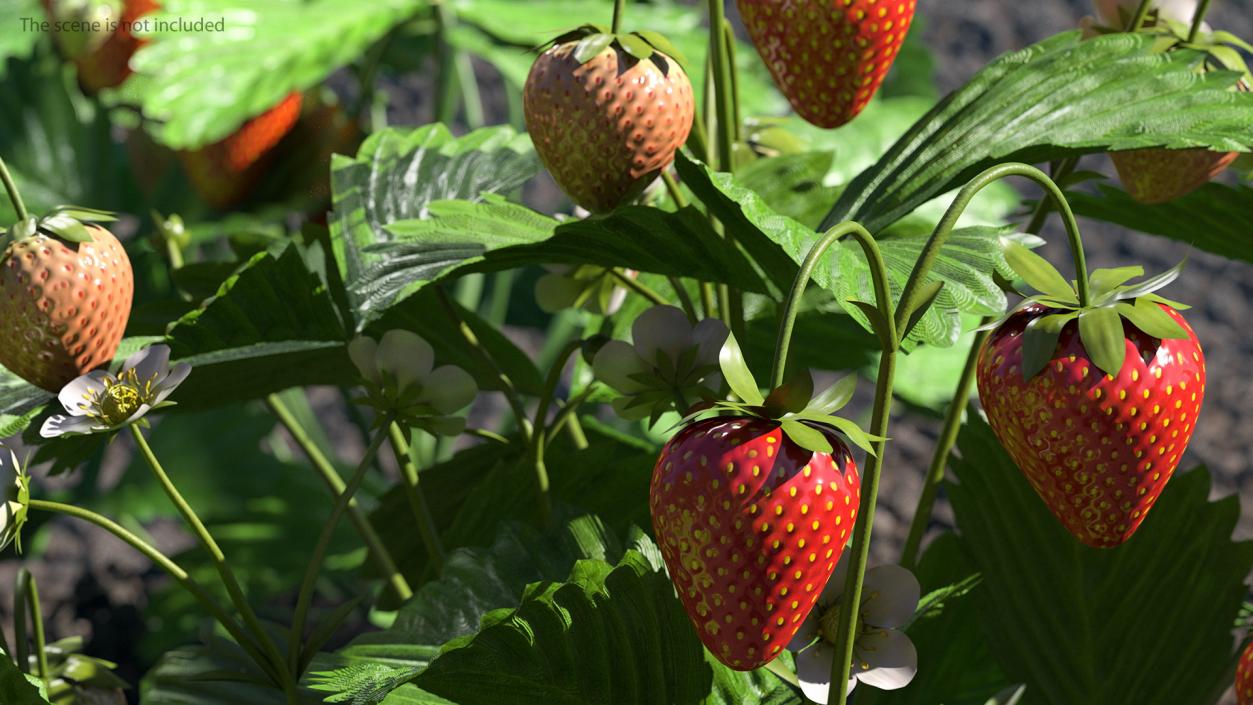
1217, 218
396, 176
199, 85
1060, 97
1149, 621
17, 688
213, 673
779, 244
21, 34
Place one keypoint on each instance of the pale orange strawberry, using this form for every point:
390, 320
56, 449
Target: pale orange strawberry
1162, 175
63, 305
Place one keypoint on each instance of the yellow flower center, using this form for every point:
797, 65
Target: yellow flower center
121, 398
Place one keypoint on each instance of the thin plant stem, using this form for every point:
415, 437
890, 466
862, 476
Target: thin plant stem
14, 196
486, 435
708, 300
787, 320
944, 446
737, 119
539, 439
639, 288
206, 539
685, 299
25, 599
335, 483
1042, 209
1141, 14
176, 572
305, 597
507, 386
417, 500
618, 7
1198, 19
672, 187
722, 84
568, 417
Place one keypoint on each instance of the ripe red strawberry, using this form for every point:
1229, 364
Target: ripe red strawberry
63, 305
103, 62
827, 56
1244, 677
1162, 175
751, 526
1097, 447
224, 172
607, 116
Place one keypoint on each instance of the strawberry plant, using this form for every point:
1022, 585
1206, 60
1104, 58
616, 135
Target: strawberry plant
507, 351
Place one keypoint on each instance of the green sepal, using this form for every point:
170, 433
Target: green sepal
1150, 318
25, 228
66, 228
790, 397
807, 437
662, 44
591, 46
850, 429
929, 292
1038, 273
737, 374
87, 215
635, 46
1104, 281
835, 397
1101, 331
1039, 341
20, 515
1150, 285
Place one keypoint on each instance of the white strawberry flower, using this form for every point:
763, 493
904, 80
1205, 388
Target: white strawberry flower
401, 378
883, 656
589, 287
102, 401
14, 497
671, 363
1115, 13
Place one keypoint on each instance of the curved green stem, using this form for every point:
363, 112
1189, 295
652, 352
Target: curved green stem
638, 287
18, 206
456, 74
486, 435
1142, 14
207, 541
506, 384
335, 483
26, 597
417, 500
948, 438
787, 320
618, 7
1198, 19
305, 597
568, 417
910, 297
722, 81
737, 119
538, 439
175, 571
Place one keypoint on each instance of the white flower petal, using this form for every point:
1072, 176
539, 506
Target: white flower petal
149, 363
61, 425
139, 414
449, 389
889, 597
614, 364
556, 292
171, 382
75, 395
807, 632
661, 329
813, 670
363, 351
886, 659
616, 300
1177, 10
835, 586
710, 335
406, 357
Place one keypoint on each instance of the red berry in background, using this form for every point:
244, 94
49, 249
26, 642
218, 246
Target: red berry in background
751, 526
828, 56
1098, 448
1244, 677
606, 127
1162, 175
63, 306
224, 173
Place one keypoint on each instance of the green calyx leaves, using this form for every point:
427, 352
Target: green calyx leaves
63, 222
1113, 297
593, 39
804, 416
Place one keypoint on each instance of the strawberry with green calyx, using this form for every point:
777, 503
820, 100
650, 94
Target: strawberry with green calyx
65, 292
1153, 176
1094, 392
752, 504
829, 58
606, 111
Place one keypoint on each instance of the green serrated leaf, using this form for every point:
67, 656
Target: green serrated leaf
1100, 330
1038, 272
591, 46
1104, 281
1150, 318
735, 371
1039, 341
635, 46
835, 397
806, 437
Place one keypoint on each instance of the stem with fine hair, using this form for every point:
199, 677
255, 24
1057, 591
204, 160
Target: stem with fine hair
18, 206
176, 572
26, 598
305, 596
539, 438
206, 539
417, 500
1198, 19
944, 446
618, 7
721, 70
335, 483
638, 287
